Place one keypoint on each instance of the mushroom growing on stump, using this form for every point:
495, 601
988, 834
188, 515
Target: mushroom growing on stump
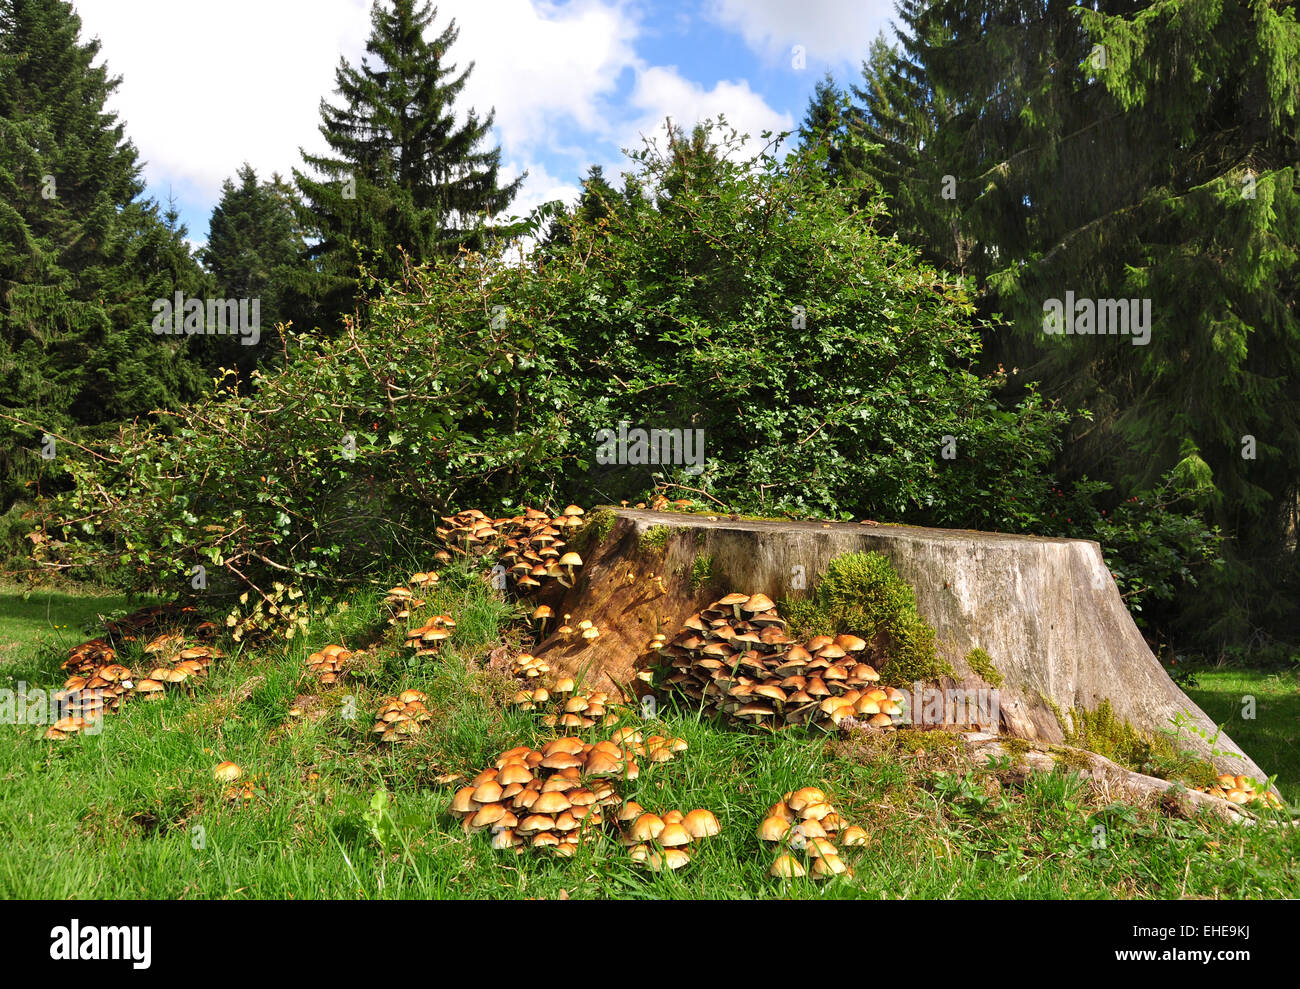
540, 616
569, 561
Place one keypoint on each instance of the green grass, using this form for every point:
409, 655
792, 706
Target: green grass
1272, 737
32, 618
135, 812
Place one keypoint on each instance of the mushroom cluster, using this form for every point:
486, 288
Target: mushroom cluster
87, 658
401, 717
90, 696
401, 600
664, 842
564, 707
530, 546
99, 684
555, 797
425, 639
550, 798
329, 666
1242, 790
804, 826
735, 657
528, 665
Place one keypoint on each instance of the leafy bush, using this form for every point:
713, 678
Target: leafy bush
748, 299
824, 364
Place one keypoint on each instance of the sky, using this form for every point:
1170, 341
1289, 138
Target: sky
210, 84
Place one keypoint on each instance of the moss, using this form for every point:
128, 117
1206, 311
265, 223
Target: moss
1015, 746
1102, 732
1072, 758
596, 528
806, 618
929, 741
655, 539
982, 664
863, 594
701, 571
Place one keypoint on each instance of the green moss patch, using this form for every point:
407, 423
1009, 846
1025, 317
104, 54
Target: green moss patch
701, 571
655, 539
861, 593
1102, 732
982, 664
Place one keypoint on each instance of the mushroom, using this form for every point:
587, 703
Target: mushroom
701, 823
733, 601
227, 772
674, 835
540, 616
647, 827
853, 836
826, 866
786, 867
569, 561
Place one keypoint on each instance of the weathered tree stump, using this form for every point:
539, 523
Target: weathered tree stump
1047, 611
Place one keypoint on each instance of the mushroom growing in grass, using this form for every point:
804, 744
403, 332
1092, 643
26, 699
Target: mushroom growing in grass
787, 867
227, 772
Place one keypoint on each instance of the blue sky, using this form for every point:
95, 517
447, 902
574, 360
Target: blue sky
207, 85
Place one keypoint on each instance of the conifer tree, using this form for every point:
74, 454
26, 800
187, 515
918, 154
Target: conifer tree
82, 254
253, 251
1124, 150
400, 172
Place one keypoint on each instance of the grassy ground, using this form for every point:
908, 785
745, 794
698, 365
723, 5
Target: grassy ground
1272, 736
135, 811
33, 618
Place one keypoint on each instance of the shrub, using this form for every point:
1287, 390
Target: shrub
746, 298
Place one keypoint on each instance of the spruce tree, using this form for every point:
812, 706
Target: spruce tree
401, 172
82, 255
829, 120
1127, 150
253, 251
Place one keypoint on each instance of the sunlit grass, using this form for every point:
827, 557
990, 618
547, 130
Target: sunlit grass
136, 812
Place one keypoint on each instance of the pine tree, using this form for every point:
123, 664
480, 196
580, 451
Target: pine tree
401, 173
82, 255
253, 252
829, 120
1106, 150
598, 202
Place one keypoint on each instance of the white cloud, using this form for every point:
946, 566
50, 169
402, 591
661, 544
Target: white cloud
540, 187
541, 65
208, 86
831, 32
662, 92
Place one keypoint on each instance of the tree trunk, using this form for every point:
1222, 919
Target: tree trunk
1046, 611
